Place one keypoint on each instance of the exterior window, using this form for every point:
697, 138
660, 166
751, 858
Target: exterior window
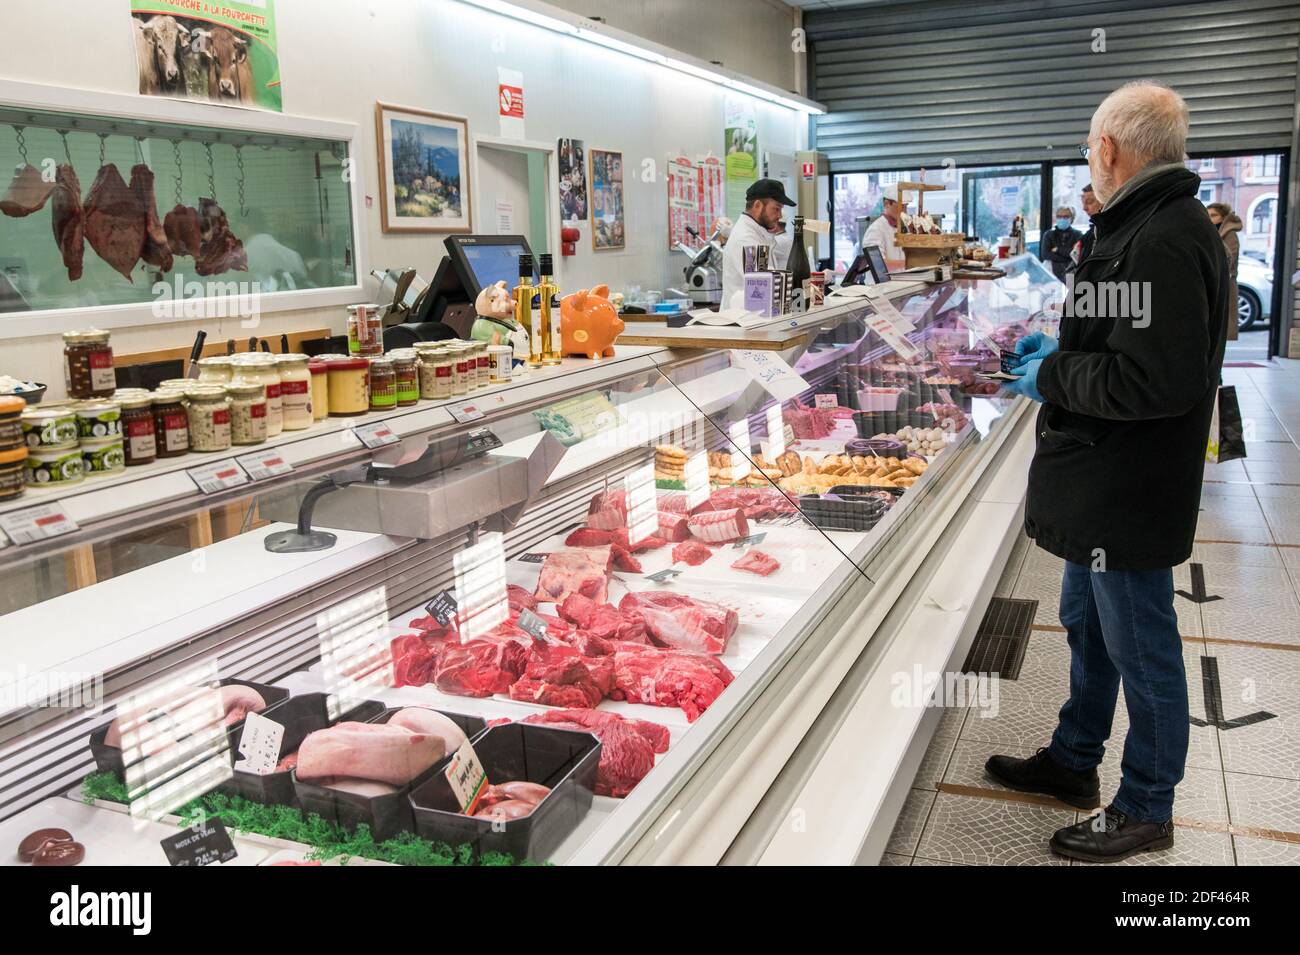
1208, 164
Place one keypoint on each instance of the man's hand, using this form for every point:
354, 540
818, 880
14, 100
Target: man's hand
1027, 383
1034, 347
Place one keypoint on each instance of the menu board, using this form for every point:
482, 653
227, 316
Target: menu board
695, 198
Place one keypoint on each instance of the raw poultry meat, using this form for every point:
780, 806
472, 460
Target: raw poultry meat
682, 622
757, 562
378, 752
156, 251
115, 221
673, 527
608, 511
691, 681
628, 746
27, 193
583, 570
559, 675
691, 552
603, 620
421, 719
716, 527
220, 251
181, 226
67, 217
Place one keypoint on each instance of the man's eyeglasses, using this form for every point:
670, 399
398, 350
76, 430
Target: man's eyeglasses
1084, 150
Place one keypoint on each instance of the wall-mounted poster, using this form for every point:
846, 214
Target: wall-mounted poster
740, 128
573, 181
695, 198
606, 200
423, 170
217, 52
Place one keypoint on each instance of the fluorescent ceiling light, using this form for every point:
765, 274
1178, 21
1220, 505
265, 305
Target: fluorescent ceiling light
540, 15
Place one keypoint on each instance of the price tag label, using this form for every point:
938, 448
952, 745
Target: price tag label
789, 435
752, 540
775, 433
259, 744
200, 845
465, 413
40, 523
896, 318
532, 625
663, 576
376, 434
532, 558
218, 476
467, 778
264, 464
738, 431
442, 607
695, 475
828, 401
892, 337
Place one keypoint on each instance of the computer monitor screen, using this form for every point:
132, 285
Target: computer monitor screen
483, 260
876, 259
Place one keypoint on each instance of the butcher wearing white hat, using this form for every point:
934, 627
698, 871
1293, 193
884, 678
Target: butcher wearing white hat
881, 231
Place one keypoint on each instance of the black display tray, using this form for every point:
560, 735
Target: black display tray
856, 509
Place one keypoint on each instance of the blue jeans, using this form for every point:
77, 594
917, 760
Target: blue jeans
1121, 626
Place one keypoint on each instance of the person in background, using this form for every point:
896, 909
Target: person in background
1088, 200
881, 231
1127, 400
760, 225
1059, 241
1228, 224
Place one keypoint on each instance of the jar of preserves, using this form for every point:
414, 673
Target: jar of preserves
139, 437
99, 419
320, 390
295, 391
171, 425
247, 411
261, 367
365, 330
88, 364
216, 369
11, 423
103, 455
13, 472
209, 418
408, 376
347, 386
383, 384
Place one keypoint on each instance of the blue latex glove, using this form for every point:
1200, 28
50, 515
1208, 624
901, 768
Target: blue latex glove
1027, 383
1034, 347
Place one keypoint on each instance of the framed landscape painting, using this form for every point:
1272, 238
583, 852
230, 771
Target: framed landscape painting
423, 170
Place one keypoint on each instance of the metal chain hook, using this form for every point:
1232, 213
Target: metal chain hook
239, 163
212, 176
180, 169
22, 144
67, 153
103, 138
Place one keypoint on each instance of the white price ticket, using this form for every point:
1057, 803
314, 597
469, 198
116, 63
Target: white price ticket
267, 463
464, 413
37, 523
259, 745
895, 339
218, 476
467, 778
375, 435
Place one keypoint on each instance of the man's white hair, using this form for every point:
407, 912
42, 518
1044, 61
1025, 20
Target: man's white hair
1145, 119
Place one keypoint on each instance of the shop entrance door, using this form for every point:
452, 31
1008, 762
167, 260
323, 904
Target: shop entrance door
992, 198
516, 191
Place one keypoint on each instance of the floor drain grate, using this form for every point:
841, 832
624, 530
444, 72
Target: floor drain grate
1002, 638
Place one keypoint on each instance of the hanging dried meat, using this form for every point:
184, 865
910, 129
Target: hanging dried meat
67, 217
115, 221
220, 251
27, 193
157, 251
182, 228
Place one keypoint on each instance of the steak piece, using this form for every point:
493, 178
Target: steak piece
115, 221
608, 511
181, 226
657, 677
27, 192
157, 252
603, 620
691, 552
68, 220
378, 752
623, 560
588, 537
583, 570
716, 527
628, 747
413, 661
756, 562
220, 251
479, 667
559, 675
684, 623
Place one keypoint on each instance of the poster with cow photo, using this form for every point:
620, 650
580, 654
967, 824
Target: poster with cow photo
214, 52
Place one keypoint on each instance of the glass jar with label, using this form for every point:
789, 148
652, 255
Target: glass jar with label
209, 418
171, 425
383, 384
426, 354
103, 455
216, 369
99, 419
295, 391
484, 364
88, 364
407, 373
460, 370
365, 330
261, 368
320, 390
502, 363
247, 411
13, 472
348, 393
179, 385
11, 422
139, 438
51, 424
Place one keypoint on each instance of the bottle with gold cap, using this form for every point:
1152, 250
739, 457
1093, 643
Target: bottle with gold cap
525, 314
548, 292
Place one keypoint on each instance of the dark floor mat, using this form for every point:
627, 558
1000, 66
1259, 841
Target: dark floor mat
1002, 638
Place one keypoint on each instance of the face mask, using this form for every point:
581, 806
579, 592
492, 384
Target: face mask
1063, 224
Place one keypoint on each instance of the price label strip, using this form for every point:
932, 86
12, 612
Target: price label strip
39, 523
467, 778
532, 625
218, 476
895, 339
663, 576
442, 608
532, 558
259, 745
753, 540
375, 435
200, 845
264, 464
466, 413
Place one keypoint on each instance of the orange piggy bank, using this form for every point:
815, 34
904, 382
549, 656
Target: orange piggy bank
589, 323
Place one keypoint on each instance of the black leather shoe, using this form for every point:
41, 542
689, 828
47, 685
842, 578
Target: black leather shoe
1042, 774
1111, 836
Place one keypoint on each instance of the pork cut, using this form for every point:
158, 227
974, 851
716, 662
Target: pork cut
67, 218
673, 527
691, 681
377, 752
691, 552
421, 719
684, 623
716, 527
27, 193
115, 221
757, 562
608, 510
583, 570
219, 250
157, 252
188, 713
181, 226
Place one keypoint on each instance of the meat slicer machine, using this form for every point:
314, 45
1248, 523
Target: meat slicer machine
704, 271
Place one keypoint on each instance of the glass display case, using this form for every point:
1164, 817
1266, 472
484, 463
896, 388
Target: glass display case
588, 575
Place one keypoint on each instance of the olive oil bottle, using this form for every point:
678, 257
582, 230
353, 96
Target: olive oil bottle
547, 292
525, 315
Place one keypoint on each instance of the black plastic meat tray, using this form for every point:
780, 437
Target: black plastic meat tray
563, 760
108, 759
386, 815
299, 715
851, 508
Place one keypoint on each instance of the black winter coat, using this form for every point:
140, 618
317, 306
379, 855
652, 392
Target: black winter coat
1121, 439
1055, 248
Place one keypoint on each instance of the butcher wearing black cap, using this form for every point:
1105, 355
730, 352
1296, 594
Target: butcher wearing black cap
760, 225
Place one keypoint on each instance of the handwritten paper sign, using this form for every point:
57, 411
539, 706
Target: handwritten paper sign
771, 371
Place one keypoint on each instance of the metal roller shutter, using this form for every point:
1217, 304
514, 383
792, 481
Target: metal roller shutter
910, 85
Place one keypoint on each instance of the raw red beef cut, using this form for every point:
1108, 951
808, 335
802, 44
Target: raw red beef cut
623, 560
627, 749
413, 661
115, 221
588, 537
756, 562
68, 220
181, 226
608, 511
621, 537
716, 527
27, 193
479, 667
691, 681
519, 598
583, 570
756, 502
156, 250
219, 251
809, 422
603, 620
673, 527
691, 552
559, 675
682, 622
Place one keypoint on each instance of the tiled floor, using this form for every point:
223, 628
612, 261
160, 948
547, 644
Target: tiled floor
1239, 801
